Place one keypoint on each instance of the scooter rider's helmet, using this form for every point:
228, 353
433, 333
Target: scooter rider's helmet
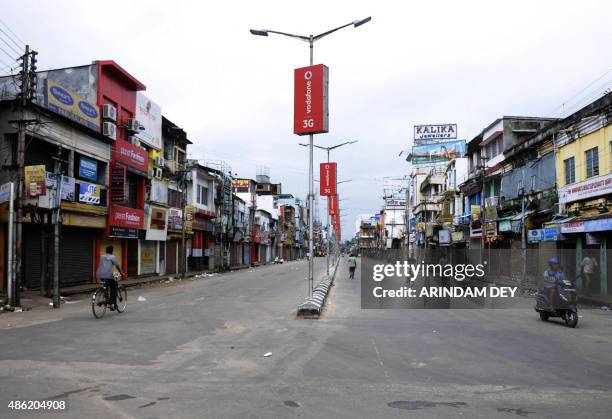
553, 261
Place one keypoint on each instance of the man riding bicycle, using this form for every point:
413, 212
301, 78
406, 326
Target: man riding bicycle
105, 274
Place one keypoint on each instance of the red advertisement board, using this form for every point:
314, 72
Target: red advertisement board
125, 217
133, 157
327, 179
310, 108
332, 204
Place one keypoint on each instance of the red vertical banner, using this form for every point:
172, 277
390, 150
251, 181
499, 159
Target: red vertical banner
327, 179
332, 204
310, 107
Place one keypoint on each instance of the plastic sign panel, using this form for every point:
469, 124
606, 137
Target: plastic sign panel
332, 204
88, 169
310, 110
35, 180
72, 106
327, 176
435, 132
149, 116
126, 217
135, 158
89, 193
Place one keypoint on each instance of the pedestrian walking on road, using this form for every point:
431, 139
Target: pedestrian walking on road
352, 264
588, 267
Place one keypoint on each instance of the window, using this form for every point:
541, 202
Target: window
592, 162
533, 182
202, 195
570, 170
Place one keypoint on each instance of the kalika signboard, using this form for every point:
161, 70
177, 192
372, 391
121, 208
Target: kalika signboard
327, 179
435, 132
310, 110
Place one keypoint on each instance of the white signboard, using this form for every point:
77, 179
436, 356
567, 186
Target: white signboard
601, 185
148, 115
159, 191
435, 132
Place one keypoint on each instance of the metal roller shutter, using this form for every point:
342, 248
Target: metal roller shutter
76, 256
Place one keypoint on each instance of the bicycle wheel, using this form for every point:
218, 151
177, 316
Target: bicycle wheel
121, 298
98, 303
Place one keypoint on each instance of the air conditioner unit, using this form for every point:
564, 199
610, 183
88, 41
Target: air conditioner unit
157, 173
559, 209
132, 125
159, 161
134, 141
109, 129
109, 112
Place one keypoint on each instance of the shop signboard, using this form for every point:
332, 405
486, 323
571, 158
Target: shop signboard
35, 180
310, 110
444, 236
89, 193
88, 169
189, 217
123, 232
175, 219
604, 224
68, 186
457, 236
590, 188
157, 223
134, 158
593, 239
126, 217
576, 227
5, 192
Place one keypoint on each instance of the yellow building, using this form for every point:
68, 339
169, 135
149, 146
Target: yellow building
583, 151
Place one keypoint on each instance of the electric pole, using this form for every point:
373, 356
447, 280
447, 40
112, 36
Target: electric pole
27, 92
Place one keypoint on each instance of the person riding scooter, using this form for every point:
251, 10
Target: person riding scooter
558, 296
553, 276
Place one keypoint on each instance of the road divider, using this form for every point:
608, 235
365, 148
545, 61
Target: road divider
312, 306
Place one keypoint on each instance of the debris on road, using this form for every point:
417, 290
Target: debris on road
267, 354
141, 298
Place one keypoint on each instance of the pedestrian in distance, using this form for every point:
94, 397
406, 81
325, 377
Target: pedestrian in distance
588, 267
352, 264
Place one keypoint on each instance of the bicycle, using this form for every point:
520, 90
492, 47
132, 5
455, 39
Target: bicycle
100, 299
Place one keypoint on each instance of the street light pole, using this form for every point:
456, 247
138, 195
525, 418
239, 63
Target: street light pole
311, 40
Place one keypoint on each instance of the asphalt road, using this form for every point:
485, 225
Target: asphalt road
196, 349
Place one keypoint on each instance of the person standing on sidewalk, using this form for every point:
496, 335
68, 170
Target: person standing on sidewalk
588, 267
352, 264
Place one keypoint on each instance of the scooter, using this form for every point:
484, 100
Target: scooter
563, 305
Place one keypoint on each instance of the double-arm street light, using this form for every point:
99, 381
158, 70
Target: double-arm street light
329, 149
311, 39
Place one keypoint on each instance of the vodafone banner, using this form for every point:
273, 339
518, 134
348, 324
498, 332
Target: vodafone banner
327, 176
333, 204
310, 110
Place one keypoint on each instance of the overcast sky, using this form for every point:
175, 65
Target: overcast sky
415, 62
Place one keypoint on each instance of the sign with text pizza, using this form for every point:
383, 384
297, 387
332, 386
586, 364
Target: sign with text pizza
327, 179
310, 110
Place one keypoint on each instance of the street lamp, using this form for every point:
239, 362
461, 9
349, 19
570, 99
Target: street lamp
328, 149
311, 39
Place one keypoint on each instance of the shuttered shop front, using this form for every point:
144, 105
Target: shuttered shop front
76, 256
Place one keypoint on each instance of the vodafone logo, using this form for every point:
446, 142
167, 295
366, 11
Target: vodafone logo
308, 75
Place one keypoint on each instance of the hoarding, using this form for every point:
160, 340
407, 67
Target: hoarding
435, 132
438, 152
149, 116
327, 179
125, 217
332, 204
310, 110
35, 180
241, 183
135, 158
88, 169
68, 186
72, 106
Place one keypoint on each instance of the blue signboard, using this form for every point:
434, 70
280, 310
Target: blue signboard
605, 224
88, 169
